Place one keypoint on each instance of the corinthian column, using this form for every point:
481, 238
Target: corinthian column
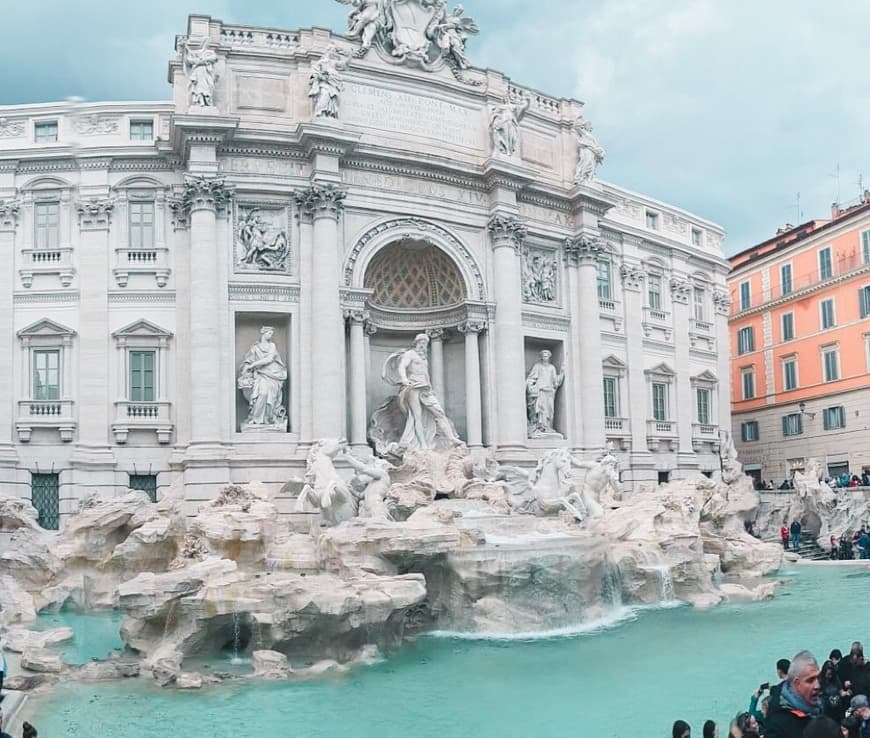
473, 413
323, 203
358, 419
436, 363
583, 252
204, 197
507, 234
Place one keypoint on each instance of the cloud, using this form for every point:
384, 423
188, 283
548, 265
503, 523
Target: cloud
725, 108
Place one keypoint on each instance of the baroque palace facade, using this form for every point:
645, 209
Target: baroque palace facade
327, 198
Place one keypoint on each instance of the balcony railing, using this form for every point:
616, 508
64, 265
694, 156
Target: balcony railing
702, 326
661, 428
46, 261
608, 306
655, 315
148, 416
141, 261
51, 414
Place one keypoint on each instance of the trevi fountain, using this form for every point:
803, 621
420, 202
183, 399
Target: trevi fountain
426, 578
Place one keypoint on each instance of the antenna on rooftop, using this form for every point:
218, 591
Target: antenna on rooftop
860, 185
800, 213
836, 175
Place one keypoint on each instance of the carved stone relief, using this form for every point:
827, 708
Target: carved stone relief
540, 276
93, 125
11, 128
262, 239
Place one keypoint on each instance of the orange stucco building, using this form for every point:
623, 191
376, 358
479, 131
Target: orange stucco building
800, 347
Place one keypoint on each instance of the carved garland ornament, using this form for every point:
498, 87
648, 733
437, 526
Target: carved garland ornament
415, 228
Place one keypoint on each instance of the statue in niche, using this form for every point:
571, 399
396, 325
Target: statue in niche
365, 21
199, 65
542, 384
324, 82
504, 124
539, 277
261, 380
414, 417
450, 31
589, 153
263, 249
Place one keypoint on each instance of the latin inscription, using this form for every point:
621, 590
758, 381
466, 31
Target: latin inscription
413, 115
546, 215
262, 165
414, 186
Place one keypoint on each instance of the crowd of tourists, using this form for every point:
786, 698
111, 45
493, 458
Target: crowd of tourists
808, 701
843, 481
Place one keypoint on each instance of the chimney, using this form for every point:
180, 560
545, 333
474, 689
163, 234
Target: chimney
835, 211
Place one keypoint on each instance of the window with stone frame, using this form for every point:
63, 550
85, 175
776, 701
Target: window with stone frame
142, 348
654, 291
790, 373
746, 340
830, 363
865, 247
141, 130
652, 220
864, 300
697, 237
141, 224
826, 265
611, 397
745, 296
785, 281
827, 318
46, 225
787, 326
660, 409
46, 352
141, 383
699, 302
702, 405
605, 279
45, 382
45, 131
747, 378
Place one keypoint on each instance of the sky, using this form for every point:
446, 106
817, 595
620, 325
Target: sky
732, 109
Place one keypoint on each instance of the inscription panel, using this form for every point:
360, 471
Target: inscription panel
538, 149
414, 186
414, 115
262, 165
541, 214
257, 92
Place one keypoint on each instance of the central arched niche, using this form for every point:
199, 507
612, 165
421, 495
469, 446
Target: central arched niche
413, 274
408, 277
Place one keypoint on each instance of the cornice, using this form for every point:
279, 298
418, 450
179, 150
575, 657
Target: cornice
272, 152
387, 167
142, 298
546, 322
864, 269
29, 298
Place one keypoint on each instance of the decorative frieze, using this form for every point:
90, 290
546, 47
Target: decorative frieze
583, 249
256, 292
506, 230
320, 201
95, 124
12, 127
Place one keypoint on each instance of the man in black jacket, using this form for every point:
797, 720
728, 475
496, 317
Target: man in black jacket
798, 701
854, 671
782, 672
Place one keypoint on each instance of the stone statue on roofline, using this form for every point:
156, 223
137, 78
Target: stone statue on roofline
199, 64
504, 124
325, 82
589, 153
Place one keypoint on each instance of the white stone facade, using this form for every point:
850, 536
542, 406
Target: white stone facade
128, 274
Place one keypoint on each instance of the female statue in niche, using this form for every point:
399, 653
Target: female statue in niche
261, 379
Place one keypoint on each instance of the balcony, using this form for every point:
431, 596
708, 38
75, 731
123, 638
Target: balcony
51, 414
147, 416
701, 326
153, 261
660, 432
618, 430
47, 261
704, 433
654, 315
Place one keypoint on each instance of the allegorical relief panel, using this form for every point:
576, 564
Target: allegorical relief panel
540, 276
262, 239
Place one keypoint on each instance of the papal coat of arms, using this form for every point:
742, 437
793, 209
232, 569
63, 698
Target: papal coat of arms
422, 31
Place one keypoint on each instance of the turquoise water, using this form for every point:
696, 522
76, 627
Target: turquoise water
96, 634
632, 679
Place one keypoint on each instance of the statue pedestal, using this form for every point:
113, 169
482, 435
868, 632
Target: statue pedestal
261, 428
546, 436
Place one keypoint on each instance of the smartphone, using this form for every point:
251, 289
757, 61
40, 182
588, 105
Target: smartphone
764, 686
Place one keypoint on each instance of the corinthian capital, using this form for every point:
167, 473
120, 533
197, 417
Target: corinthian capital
632, 277
204, 192
320, 201
9, 210
505, 230
95, 212
681, 289
583, 249
722, 302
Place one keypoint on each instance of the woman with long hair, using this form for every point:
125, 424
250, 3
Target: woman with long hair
710, 730
681, 729
833, 697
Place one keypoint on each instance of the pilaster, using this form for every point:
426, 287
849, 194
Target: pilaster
681, 292
9, 212
472, 329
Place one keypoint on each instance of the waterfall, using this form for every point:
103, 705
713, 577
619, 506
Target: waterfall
666, 583
612, 585
167, 624
237, 633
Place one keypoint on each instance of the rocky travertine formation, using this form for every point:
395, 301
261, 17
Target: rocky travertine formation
498, 550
